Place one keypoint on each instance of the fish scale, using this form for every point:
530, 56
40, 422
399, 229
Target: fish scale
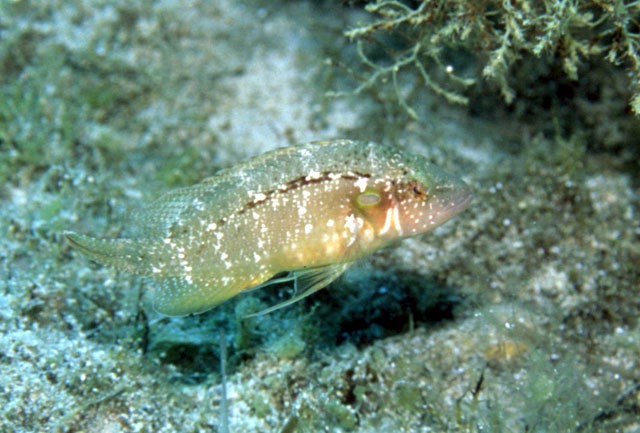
307, 210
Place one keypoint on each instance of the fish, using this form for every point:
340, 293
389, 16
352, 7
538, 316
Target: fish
300, 214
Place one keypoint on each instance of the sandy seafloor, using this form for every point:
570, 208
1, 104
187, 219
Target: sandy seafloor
521, 314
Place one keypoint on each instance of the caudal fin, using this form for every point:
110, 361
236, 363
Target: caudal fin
125, 254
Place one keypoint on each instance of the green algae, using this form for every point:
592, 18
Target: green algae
453, 45
288, 346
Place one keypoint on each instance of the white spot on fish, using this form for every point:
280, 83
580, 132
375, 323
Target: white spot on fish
396, 221
387, 222
361, 183
351, 224
313, 175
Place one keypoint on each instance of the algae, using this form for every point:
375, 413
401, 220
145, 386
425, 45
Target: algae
446, 42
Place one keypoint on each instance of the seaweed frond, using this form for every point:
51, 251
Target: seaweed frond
451, 45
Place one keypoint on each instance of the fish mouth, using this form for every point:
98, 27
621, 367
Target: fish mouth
452, 199
461, 202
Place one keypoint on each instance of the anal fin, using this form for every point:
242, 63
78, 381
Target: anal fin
179, 296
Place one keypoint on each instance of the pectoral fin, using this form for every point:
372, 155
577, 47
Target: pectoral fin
307, 282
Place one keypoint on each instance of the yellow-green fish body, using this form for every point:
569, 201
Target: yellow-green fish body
309, 210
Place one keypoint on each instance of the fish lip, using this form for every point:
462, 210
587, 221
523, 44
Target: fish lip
453, 206
465, 201
460, 204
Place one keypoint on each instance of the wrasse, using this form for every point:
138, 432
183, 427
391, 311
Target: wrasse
308, 211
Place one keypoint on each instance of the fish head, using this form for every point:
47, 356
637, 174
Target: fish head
409, 200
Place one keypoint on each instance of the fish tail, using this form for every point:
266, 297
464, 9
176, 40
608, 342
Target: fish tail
124, 254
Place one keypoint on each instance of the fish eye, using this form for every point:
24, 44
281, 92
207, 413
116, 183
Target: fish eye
369, 198
417, 191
